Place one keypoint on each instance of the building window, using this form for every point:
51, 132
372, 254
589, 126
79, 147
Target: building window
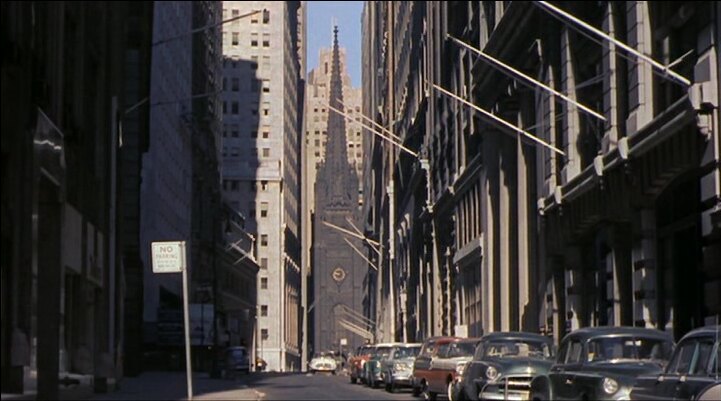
266, 109
235, 12
263, 310
264, 263
236, 39
264, 209
264, 240
225, 151
236, 84
254, 18
254, 153
234, 185
254, 111
266, 40
234, 131
266, 132
266, 16
225, 107
264, 283
234, 151
253, 40
317, 142
253, 84
264, 334
254, 134
266, 86
264, 185
266, 152
234, 108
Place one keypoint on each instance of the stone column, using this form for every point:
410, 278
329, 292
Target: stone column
643, 256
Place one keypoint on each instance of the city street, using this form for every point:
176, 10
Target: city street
256, 386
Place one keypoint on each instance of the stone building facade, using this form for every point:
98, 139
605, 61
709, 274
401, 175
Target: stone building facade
262, 125
497, 231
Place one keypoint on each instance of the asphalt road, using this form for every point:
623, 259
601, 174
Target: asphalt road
306, 386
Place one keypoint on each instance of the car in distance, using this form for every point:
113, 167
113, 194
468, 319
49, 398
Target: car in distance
398, 368
602, 363
323, 362
693, 372
357, 362
503, 366
374, 367
236, 360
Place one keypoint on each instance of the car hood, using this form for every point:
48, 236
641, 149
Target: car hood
519, 366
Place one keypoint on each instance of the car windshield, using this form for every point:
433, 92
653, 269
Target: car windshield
383, 352
238, 353
610, 349
461, 349
692, 358
406, 352
515, 349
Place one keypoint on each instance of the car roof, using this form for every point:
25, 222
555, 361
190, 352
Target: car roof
516, 335
388, 344
587, 333
705, 331
440, 339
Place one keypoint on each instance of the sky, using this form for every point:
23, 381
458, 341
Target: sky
319, 16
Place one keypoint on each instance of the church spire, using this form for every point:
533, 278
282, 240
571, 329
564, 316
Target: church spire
336, 161
336, 153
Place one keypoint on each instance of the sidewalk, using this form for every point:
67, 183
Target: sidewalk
172, 386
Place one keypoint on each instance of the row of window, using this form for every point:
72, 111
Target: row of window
235, 108
254, 19
234, 151
235, 85
234, 185
233, 131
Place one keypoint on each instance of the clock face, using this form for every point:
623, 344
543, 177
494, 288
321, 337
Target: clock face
338, 274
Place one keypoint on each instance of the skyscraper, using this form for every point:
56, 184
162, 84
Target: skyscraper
261, 160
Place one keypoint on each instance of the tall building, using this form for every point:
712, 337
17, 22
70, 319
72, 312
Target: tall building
166, 196
605, 212
71, 74
317, 114
262, 123
338, 272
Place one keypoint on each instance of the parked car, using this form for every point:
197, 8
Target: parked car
236, 359
422, 364
398, 368
357, 362
323, 362
373, 368
503, 366
436, 371
602, 363
692, 373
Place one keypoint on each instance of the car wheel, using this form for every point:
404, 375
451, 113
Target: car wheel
449, 391
427, 394
416, 391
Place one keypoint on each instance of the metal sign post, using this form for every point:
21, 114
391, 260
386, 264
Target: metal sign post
170, 257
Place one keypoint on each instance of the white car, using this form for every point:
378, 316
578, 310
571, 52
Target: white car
323, 363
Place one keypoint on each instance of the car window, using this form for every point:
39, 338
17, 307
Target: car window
461, 349
517, 349
574, 352
383, 352
682, 359
406, 352
443, 350
428, 350
606, 349
561, 358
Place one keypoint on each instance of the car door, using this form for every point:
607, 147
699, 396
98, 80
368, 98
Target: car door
563, 376
436, 372
701, 373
